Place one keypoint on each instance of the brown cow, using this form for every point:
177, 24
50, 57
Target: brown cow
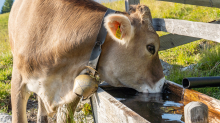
52, 40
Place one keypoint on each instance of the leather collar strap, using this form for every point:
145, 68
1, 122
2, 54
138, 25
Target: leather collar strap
94, 58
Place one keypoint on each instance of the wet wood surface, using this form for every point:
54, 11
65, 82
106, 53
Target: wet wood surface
189, 95
212, 103
196, 112
107, 109
174, 88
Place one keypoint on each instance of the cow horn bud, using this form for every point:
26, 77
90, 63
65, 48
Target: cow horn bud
85, 85
145, 15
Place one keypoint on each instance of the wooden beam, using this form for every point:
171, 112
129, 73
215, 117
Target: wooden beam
208, 3
130, 2
207, 31
174, 40
188, 95
174, 88
126, 5
212, 103
134, 2
196, 112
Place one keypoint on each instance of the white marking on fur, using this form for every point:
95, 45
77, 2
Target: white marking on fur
52, 90
156, 89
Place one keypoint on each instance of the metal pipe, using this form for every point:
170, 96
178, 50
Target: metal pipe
198, 82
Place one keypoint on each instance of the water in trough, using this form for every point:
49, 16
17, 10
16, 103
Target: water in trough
156, 108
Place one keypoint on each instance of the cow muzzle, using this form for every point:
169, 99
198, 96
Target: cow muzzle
85, 86
157, 88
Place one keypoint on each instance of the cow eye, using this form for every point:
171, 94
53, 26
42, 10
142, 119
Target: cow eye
151, 48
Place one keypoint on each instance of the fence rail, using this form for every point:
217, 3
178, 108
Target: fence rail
207, 31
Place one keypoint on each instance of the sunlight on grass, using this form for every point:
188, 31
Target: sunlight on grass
5, 63
116, 5
161, 9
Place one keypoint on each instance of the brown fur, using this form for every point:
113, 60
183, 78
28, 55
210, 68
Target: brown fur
48, 42
52, 41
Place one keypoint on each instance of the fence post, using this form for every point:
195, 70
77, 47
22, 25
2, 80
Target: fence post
130, 2
196, 112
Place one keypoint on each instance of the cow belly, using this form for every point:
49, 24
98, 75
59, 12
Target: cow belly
53, 91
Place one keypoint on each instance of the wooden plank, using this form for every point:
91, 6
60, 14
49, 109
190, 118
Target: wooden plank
130, 2
174, 88
127, 5
213, 117
212, 103
188, 95
208, 3
207, 31
174, 40
134, 2
196, 112
106, 109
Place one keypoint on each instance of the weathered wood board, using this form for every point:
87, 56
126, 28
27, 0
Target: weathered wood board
212, 103
130, 2
107, 109
189, 95
174, 40
208, 3
209, 31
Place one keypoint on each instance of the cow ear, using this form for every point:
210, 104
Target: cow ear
119, 28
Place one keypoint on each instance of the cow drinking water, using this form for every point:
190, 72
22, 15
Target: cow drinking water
52, 40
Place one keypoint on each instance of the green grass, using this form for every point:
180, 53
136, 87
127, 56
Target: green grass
117, 5
5, 63
160, 9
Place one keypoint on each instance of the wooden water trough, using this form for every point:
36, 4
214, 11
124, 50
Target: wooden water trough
112, 105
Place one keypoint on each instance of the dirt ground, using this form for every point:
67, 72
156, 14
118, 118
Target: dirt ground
32, 107
32, 113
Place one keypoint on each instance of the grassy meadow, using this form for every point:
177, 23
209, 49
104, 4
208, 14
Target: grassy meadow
204, 54
5, 63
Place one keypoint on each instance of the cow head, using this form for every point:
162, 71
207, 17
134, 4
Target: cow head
130, 54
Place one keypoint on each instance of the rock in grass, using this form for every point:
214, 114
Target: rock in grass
166, 67
5, 118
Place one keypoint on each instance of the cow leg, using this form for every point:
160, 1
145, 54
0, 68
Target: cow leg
42, 113
19, 98
65, 113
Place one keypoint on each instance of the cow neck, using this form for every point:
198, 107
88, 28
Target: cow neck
94, 57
